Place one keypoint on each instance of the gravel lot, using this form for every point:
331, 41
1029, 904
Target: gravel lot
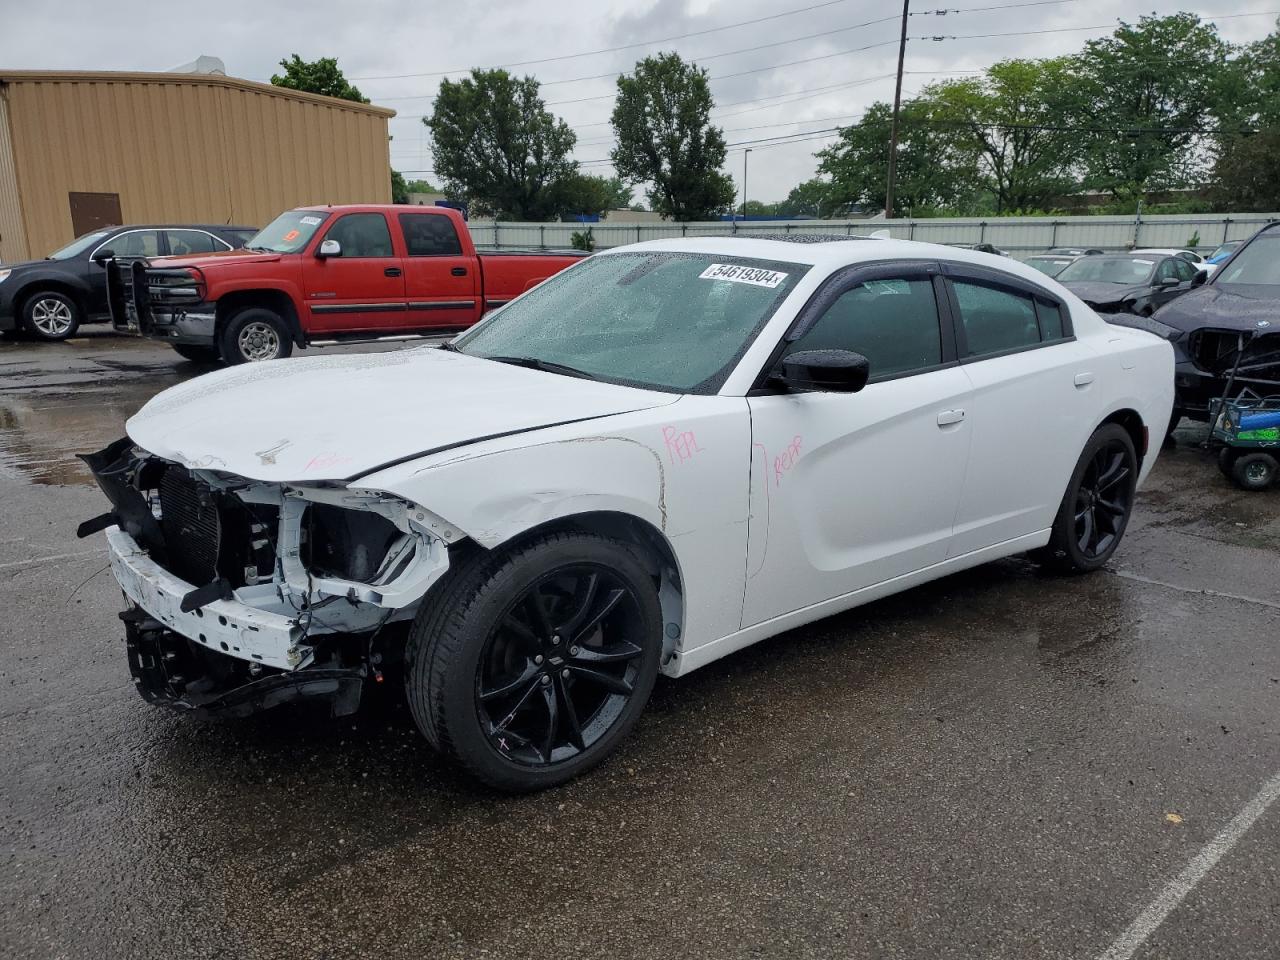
998, 765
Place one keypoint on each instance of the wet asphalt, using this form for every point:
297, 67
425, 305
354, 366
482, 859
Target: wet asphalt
1002, 764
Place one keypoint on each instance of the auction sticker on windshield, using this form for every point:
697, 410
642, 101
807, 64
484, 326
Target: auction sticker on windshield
752, 275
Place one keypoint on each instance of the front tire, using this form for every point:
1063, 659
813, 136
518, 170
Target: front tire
1095, 509
529, 667
51, 315
255, 334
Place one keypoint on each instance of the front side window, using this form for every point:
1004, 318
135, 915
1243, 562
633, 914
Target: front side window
995, 320
1168, 270
1185, 269
362, 235
429, 235
1258, 263
665, 320
184, 242
893, 323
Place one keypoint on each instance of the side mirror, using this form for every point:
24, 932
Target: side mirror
329, 248
823, 371
1170, 282
103, 255
1200, 278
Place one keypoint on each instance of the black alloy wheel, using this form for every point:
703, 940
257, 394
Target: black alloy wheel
530, 664
1095, 508
1104, 498
560, 665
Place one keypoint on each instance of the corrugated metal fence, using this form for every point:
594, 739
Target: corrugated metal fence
1020, 236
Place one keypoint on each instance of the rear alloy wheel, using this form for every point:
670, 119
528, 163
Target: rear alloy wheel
1254, 471
529, 668
1095, 509
253, 335
50, 315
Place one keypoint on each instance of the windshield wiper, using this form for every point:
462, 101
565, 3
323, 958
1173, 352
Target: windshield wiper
546, 366
448, 345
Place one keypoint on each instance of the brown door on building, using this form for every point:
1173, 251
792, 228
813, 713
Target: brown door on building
92, 211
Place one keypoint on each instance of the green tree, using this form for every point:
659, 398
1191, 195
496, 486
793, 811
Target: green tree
812, 198
662, 119
934, 171
317, 76
422, 186
497, 146
399, 189
1150, 90
1247, 173
1011, 121
583, 193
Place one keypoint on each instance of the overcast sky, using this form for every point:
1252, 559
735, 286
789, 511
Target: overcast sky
379, 43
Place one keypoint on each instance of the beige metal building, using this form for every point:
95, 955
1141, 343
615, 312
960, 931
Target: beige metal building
84, 150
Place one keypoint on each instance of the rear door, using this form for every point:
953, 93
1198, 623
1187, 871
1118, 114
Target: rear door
360, 289
1032, 406
441, 282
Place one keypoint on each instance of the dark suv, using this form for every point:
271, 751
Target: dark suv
50, 298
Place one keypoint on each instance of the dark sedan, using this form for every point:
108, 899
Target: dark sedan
50, 298
1129, 283
1226, 333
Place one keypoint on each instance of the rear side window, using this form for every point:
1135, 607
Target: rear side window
893, 323
995, 320
430, 235
362, 235
136, 243
183, 242
1050, 317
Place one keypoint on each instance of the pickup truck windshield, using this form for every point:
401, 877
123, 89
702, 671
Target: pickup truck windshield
668, 321
287, 233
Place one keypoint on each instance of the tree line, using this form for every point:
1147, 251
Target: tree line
1160, 105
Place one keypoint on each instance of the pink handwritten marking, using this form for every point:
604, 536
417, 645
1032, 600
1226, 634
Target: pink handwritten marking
681, 444
786, 460
322, 461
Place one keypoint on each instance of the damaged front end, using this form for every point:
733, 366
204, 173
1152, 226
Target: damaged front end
244, 594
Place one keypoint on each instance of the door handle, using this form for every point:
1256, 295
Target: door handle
1084, 379
947, 417
459, 271
391, 272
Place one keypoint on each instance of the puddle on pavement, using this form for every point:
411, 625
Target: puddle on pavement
40, 434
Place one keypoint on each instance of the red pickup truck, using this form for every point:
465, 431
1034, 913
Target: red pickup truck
322, 274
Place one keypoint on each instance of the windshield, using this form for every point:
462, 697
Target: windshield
1258, 263
287, 233
1225, 249
80, 245
1108, 270
670, 321
1050, 268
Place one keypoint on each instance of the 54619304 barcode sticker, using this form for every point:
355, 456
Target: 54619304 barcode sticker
752, 275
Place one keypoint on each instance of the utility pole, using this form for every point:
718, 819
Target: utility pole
897, 105
744, 182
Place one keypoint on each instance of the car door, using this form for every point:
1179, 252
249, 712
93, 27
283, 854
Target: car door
127, 244
1031, 405
440, 282
361, 288
851, 489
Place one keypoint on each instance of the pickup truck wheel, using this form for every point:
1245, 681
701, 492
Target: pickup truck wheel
1095, 509
255, 334
528, 667
50, 315
195, 353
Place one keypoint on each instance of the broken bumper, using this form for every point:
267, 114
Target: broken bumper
230, 627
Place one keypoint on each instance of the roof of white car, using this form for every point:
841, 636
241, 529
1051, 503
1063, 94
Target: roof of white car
829, 252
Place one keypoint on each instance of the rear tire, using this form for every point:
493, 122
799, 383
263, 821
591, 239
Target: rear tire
195, 353
51, 315
1255, 471
529, 667
255, 334
1096, 506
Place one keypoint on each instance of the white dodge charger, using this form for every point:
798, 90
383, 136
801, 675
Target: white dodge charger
665, 453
